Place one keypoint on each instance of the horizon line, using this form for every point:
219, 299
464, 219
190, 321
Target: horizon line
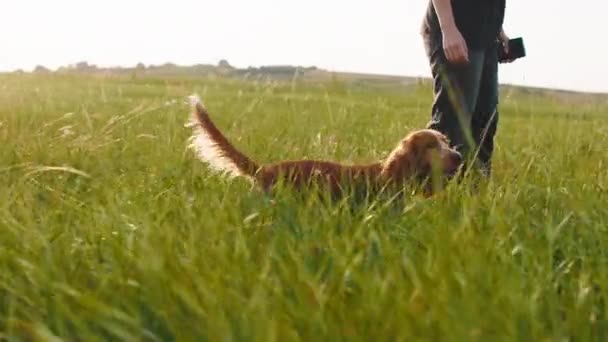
70, 66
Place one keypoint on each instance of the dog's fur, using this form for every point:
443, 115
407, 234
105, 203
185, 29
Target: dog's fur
411, 162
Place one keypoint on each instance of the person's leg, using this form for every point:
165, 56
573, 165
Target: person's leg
485, 117
456, 89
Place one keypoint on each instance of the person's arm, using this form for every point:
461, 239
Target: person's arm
444, 13
454, 45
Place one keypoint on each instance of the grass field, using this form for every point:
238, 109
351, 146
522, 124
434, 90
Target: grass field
111, 230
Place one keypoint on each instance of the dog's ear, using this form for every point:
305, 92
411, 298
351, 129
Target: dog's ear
418, 146
400, 162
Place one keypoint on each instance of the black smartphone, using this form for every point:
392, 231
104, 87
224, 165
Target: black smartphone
516, 50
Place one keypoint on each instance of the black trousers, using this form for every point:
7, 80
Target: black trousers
465, 104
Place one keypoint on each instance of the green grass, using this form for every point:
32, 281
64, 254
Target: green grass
111, 230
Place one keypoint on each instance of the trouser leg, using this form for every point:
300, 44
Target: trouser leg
485, 117
456, 91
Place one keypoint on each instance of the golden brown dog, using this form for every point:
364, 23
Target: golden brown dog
411, 162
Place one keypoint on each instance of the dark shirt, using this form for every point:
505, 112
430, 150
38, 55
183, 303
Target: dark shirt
479, 21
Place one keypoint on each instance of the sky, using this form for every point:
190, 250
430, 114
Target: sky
564, 48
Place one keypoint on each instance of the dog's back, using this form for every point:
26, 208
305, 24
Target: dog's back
304, 173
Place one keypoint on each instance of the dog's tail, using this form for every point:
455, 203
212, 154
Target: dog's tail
212, 147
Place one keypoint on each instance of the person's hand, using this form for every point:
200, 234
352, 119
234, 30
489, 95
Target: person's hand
454, 46
504, 41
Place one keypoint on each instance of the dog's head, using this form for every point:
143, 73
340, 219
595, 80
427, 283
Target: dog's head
418, 155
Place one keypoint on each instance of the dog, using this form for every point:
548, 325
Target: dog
411, 162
